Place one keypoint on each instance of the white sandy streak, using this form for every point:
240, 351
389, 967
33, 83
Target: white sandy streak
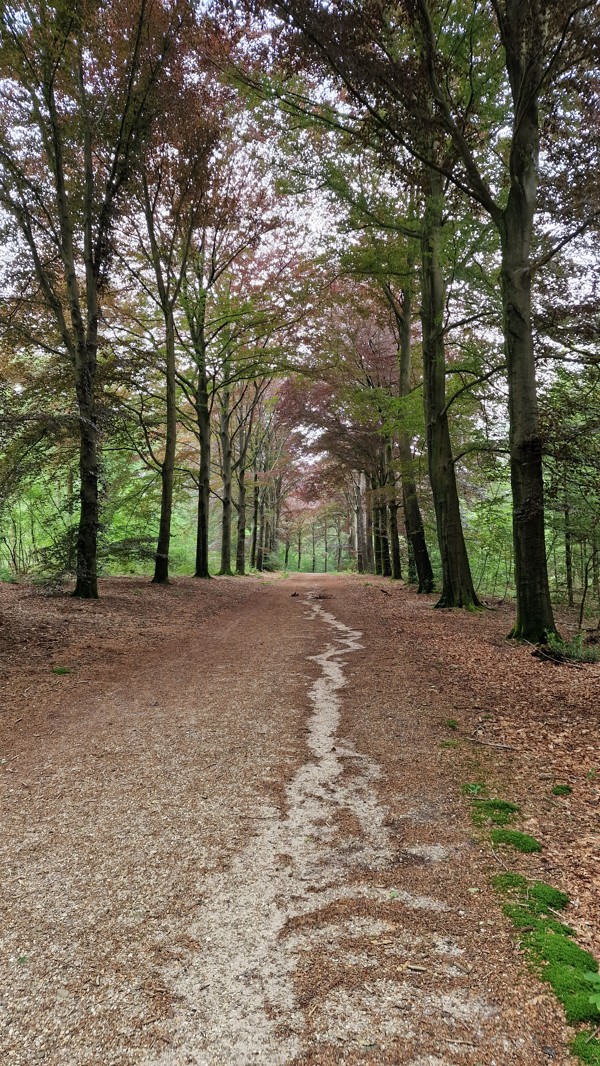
236, 995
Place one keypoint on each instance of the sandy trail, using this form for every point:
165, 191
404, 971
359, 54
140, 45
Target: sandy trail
211, 861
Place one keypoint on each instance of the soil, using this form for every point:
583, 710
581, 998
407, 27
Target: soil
233, 829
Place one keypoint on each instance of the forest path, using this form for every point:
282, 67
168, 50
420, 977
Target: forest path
249, 847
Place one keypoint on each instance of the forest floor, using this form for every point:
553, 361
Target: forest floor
233, 832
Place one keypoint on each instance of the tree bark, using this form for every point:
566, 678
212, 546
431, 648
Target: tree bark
417, 544
240, 551
86, 586
395, 541
255, 507
534, 621
167, 470
203, 416
226, 458
457, 583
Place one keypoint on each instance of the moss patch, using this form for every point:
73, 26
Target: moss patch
562, 951
561, 790
587, 1048
498, 811
513, 839
573, 991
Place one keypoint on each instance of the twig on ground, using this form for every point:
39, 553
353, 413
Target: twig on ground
491, 743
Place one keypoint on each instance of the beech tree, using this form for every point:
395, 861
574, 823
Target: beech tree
79, 86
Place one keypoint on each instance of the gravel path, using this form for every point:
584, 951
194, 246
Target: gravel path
209, 859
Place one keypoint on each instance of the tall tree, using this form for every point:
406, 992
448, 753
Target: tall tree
80, 86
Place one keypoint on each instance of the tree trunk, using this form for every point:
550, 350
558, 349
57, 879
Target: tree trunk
299, 550
418, 554
226, 458
203, 416
369, 547
569, 554
255, 507
240, 552
386, 565
167, 470
86, 586
395, 542
260, 544
457, 583
534, 620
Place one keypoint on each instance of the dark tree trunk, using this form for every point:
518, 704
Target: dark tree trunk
225, 569
534, 621
369, 546
167, 470
386, 565
86, 586
457, 584
203, 416
395, 541
569, 555
240, 553
418, 553
299, 550
260, 544
255, 509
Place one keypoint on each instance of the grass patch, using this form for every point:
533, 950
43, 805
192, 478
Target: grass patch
61, 670
561, 790
512, 838
451, 723
498, 811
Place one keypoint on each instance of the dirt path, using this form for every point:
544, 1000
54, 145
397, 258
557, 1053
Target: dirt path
247, 846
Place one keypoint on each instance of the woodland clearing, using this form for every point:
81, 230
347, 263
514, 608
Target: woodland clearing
233, 828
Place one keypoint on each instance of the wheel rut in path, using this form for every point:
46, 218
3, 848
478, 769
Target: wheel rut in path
273, 907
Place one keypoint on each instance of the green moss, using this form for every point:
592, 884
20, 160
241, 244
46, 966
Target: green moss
561, 790
560, 950
546, 897
587, 1048
61, 669
512, 838
526, 919
452, 723
498, 811
571, 988
509, 882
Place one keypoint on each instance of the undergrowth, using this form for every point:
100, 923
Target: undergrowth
574, 650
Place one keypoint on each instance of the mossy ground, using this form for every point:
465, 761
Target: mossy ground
514, 839
561, 790
549, 943
533, 907
587, 1048
497, 811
